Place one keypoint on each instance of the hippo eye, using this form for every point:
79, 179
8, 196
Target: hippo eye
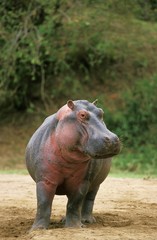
83, 115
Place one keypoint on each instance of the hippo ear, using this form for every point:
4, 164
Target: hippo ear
95, 102
71, 104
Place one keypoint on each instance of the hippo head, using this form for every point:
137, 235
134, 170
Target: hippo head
82, 133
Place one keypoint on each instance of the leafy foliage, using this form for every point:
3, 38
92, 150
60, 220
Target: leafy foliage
43, 41
136, 122
52, 50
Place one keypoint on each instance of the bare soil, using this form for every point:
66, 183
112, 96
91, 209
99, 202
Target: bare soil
124, 209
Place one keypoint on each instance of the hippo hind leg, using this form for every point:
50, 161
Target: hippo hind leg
87, 207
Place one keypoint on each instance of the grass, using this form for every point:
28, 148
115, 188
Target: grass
113, 173
14, 171
126, 174
141, 162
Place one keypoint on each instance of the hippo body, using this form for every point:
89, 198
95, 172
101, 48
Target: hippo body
70, 154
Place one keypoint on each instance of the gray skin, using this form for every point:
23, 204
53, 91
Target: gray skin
70, 154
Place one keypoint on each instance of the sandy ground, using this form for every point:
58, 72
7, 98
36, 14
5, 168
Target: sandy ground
125, 209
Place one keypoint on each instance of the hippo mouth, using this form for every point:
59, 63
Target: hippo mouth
102, 155
97, 156
105, 156
103, 148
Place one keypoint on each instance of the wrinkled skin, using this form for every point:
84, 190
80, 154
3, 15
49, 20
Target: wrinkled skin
70, 154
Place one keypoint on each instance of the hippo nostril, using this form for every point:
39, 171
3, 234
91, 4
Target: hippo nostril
116, 145
112, 141
107, 139
107, 142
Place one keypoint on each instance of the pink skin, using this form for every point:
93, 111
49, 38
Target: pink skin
68, 167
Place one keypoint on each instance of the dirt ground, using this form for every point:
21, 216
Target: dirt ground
125, 209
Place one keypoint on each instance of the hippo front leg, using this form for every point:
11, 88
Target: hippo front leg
74, 206
87, 207
45, 194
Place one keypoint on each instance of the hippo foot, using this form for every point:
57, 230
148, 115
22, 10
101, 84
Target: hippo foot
74, 225
88, 219
63, 220
39, 225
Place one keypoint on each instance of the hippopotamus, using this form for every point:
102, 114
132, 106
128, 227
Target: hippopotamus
70, 154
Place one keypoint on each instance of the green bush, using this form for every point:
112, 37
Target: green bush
136, 121
29, 54
136, 125
87, 42
142, 161
52, 50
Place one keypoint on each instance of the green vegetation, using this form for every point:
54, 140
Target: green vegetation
141, 161
14, 171
54, 50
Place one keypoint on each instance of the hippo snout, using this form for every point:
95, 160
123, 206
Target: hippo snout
112, 144
104, 146
111, 140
